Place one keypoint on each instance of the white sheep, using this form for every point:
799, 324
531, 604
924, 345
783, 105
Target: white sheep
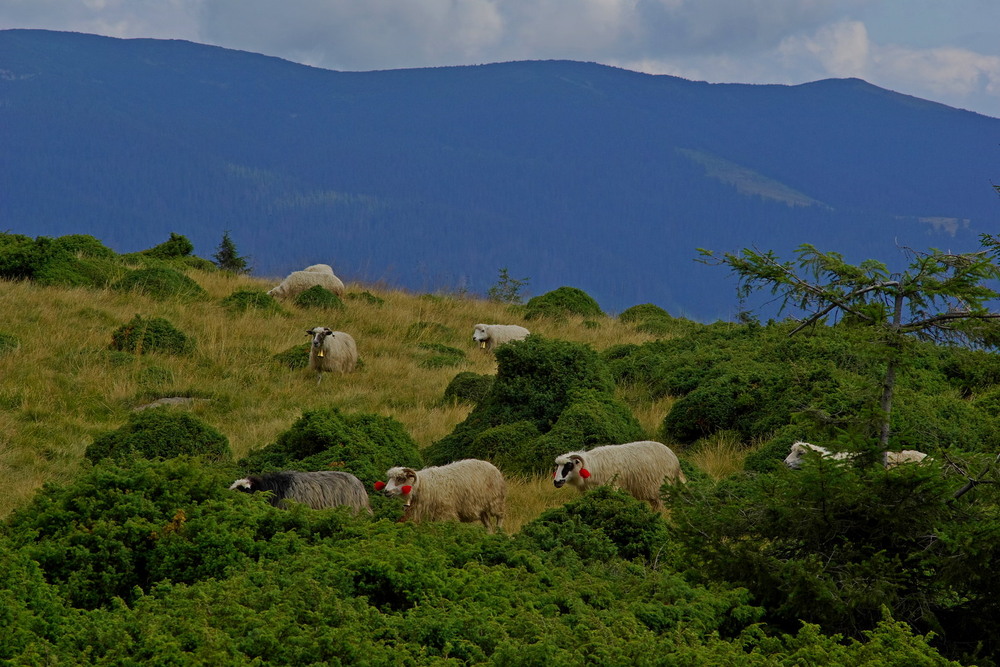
331, 352
466, 490
893, 459
490, 336
320, 268
298, 282
320, 489
638, 468
889, 459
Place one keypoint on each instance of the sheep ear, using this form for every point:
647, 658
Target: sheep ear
410, 472
577, 459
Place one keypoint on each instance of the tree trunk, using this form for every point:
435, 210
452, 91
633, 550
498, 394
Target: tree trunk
889, 383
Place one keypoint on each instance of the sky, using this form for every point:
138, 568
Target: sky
947, 51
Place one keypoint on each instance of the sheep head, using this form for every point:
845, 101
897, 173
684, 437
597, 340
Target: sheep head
319, 334
566, 464
401, 482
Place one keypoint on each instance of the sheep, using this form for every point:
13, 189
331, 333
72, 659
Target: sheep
489, 336
889, 459
466, 490
320, 489
320, 268
893, 459
298, 282
331, 351
638, 468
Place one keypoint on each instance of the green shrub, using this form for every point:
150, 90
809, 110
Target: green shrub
241, 301
175, 247
365, 445
441, 356
553, 386
318, 296
160, 433
508, 447
85, 245
71, 271
295, 357
21, 257
141, 335
561, 302
641, 312
367, 297
160, 283
468, 387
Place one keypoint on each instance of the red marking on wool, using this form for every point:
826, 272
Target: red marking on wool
584, 473
406, 488
379, 485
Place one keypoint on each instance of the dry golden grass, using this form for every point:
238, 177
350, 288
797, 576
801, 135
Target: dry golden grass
720, 455
63, 386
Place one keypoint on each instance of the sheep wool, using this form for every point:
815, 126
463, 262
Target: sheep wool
638, 468
298, 282
490, 336
800, 450
318, 490
467, 490
331, 352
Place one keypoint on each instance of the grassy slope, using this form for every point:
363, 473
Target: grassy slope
62, 386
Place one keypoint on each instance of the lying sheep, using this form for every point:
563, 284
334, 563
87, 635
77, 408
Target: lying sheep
298, 282
638, 468
331, 352
489, 336
466, 490
889, 459
324, 488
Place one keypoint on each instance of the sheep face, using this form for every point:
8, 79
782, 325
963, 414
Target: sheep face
568, 468
795, 457
480, 335
400, 482
319, 335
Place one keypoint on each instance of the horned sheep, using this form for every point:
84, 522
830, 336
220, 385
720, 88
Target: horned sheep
331, 352
318, 490
467, 490
800, 449
638, 468
490, 336
297, 282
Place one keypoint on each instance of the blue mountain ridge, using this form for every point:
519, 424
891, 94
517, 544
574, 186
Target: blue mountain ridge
565, 173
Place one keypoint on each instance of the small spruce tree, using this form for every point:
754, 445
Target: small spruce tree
227, 258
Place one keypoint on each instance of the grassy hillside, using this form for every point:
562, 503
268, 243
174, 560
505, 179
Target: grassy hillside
63, 385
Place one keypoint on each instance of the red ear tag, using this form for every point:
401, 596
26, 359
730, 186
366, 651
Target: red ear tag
379, 485
584, 473
406, 488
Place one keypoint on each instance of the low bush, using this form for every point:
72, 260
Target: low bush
319, 297
160, 433
562, 302
160, 283
468, 387
156, 334
243, 300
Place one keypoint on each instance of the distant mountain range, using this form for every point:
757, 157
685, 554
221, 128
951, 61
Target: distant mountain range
565, 173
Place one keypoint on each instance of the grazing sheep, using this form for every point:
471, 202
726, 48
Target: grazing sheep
889, 459
638, 468
331, 352
320, 268
324, 488
489, 336
298, 282
466, 490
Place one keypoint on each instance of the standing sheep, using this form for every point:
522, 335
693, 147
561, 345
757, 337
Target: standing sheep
298, 282
324, 488
489, 336
638, 468
466, 490
331, 352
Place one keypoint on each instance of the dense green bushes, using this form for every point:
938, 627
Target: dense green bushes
557, 391
318, 296
160, 432
155, 334
560, 303
244, 300
160, 283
